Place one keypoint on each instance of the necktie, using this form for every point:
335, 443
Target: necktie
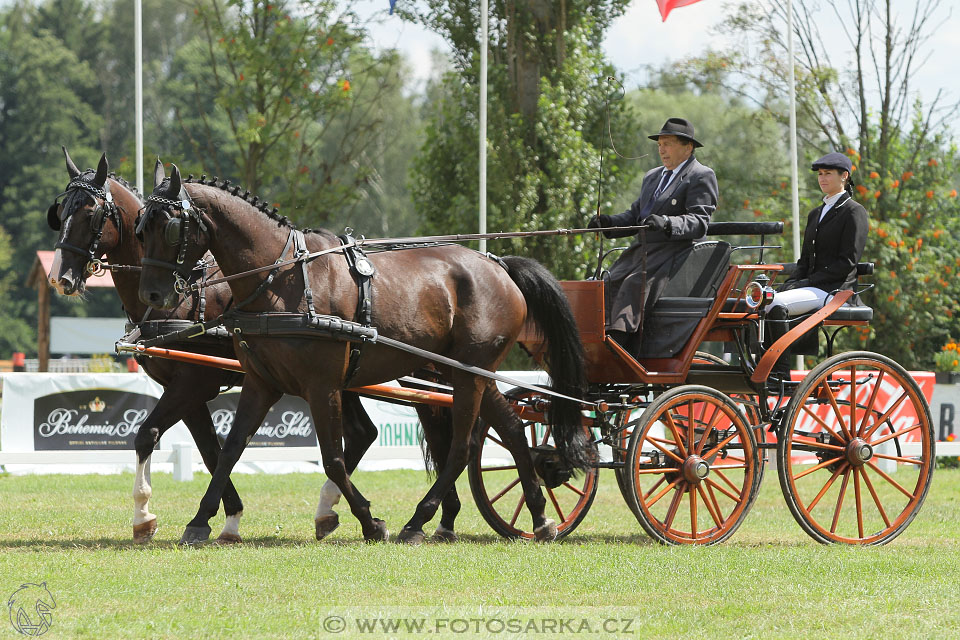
664, 181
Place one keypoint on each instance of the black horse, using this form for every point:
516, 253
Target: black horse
447, 300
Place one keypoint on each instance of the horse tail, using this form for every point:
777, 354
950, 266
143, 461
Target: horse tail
550, 310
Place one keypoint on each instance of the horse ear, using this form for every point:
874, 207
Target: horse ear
101, 178
158, 174
173, 191
71, 167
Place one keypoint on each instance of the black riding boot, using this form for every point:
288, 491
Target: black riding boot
777, 325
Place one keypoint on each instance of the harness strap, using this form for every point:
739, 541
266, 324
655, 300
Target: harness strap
299, 251
269, 279
362, 271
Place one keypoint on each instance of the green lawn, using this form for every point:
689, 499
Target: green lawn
769, 580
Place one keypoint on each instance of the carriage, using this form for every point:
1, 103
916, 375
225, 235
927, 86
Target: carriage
687, 433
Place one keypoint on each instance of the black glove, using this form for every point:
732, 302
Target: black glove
599, 221
658, 223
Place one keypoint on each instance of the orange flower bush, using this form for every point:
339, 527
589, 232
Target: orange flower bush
948, 359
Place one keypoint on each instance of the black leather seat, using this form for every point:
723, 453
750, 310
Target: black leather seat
686, 298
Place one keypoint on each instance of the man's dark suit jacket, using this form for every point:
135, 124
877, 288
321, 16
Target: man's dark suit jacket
833, 246
687, 204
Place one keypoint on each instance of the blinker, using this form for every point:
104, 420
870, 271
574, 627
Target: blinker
53, 219
171, 231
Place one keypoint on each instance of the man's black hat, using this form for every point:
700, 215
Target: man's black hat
678, 127
833, 161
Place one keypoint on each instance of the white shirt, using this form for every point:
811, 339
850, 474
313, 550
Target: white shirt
673, 175
828, 202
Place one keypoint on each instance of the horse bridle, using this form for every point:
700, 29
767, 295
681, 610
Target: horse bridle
104, 208
174, 234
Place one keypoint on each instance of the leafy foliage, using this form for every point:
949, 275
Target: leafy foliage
548, 101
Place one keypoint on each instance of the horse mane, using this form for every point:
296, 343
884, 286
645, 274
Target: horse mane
254, 201
126, 185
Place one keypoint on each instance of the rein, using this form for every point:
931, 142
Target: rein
363, 242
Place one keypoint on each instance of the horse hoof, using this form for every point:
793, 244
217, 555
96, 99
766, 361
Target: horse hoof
442, 534
326, 525
227, 539
546, 532
144, 532
413, 537
379, 533
194, 535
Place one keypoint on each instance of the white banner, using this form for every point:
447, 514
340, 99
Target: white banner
103, 411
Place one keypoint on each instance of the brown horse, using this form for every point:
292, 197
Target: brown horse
448, 300
93, 226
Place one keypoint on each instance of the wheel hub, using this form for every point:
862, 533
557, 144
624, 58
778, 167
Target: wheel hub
859, 451
695, 469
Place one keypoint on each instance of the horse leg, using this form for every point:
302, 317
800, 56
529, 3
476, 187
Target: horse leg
164, 415
496, 410
327, 415
256, 398
359, 433
437, 431
468, 391
204, 434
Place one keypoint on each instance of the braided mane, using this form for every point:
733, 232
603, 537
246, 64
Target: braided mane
126, 185
235, 190
256, 202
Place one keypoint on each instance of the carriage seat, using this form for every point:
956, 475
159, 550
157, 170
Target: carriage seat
852, 311
686, 299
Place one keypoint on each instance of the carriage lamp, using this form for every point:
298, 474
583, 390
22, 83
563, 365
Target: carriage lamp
757, 295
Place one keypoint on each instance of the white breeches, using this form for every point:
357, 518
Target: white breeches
800, 301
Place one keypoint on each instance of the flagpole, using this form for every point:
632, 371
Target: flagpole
483, 122
138, 87
794, 174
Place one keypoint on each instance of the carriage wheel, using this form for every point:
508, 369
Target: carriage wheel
496, 488
622, 444
856, 472
692, 467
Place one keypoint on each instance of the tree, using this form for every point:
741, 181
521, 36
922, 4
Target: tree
41, 84
906, 165
285, 98
547, 109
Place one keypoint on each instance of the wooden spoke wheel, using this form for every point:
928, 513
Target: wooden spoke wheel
620, 446
748, 404
495, 482
856, 450
692, 467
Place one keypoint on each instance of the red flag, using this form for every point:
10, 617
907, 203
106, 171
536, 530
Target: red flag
666, 6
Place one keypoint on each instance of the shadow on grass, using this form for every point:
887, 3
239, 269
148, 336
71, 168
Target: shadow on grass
122, 544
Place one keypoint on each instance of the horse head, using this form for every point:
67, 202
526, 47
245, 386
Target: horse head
175, 235
89, 224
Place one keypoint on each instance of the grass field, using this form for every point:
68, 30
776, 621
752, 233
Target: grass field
769, 580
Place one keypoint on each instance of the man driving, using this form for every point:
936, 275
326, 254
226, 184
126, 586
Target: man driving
676, 202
